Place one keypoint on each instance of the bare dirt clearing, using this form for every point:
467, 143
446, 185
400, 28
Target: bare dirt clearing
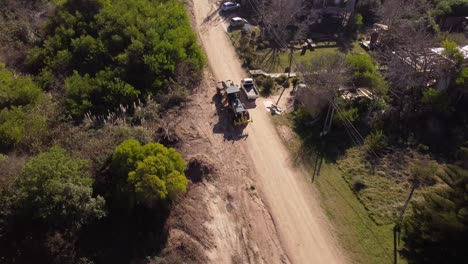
222, 214
257, 208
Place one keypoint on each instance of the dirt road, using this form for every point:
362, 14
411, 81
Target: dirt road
302, 226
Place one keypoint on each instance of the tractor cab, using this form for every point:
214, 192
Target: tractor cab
240, 114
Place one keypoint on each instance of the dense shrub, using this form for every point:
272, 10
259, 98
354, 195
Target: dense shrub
113, 50
369, 10
16, 91
450, 8
437, 231
350, 115
451, 50
365, 73
376, 141
18, 96
435, 101
152, 171
97, 94
55, 188
11, 126
268, 85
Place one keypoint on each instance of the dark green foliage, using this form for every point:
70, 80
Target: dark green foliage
450, 8
451, 50
55, 188
369, 10
11, 126
462, 78
113, 50
435, 101
437, 232
18, 96
9, 169
366, 74
16, 91
376, 141
351, 114
153, 171
97, 94
283, 81
268, 85
359, 20
301, 117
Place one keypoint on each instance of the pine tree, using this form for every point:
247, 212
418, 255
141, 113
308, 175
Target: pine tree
437, 232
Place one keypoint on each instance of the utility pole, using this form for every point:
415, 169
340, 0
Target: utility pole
291, 55
397, 227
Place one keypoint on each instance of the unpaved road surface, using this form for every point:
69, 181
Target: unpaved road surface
262, 209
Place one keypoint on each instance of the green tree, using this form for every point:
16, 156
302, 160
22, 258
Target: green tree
435, 101
376, 141
18, 96
16, 91
351, 114
112, 50
98, 94
56, 188
462, 78
360, 63
451, 50
359, 20
153, 171
449, 8
365, 73
11, 126
437, 231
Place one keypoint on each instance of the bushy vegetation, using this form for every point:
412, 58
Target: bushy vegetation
96, 74
435, 102
408, 122
266, 85
18, 98
56, 189
365, 73
110, 52
439, 222
450, 8
152, 171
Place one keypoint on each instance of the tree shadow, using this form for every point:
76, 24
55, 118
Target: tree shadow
130, 231
330, 147
23, 241
124, 237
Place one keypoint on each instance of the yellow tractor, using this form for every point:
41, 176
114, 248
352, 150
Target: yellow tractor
231, 93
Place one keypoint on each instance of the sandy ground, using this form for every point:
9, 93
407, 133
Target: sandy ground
259, 208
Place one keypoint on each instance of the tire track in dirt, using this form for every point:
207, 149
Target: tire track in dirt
240, 227
302, 227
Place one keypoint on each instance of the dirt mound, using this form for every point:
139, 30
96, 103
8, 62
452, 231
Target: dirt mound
183, 249
189, 237
200, 168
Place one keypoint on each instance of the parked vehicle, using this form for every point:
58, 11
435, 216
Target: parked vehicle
239, 113
238, 22
249, 88
230, 6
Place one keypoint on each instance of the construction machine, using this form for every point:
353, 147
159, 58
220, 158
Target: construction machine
231, 93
